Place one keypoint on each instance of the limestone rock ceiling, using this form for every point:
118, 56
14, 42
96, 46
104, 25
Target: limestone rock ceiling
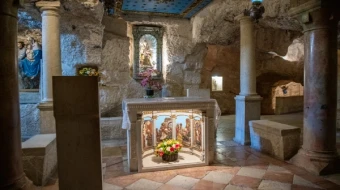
172, 8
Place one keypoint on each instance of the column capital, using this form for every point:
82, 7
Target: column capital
48, 5
316, 14
173, 116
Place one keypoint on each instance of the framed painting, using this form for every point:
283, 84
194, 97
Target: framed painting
148, 43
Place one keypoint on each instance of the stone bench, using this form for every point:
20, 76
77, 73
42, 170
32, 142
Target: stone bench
39, 155
279, 140
111, 128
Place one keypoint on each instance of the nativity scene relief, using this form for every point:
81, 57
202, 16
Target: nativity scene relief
182, 128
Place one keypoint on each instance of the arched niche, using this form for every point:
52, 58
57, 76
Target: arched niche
147, 50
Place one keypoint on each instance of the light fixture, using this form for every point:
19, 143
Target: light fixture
255, 11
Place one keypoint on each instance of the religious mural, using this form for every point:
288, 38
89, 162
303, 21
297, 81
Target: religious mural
147, 133
164, 130
183, 130
148, 51
29, 60
197, 129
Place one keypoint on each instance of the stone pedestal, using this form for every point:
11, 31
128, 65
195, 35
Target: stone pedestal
51, 62
247, 108
248, 103
76, 110
11, 168
318, 153
47, 121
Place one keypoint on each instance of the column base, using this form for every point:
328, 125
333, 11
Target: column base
317, 163
247, 108
47, 120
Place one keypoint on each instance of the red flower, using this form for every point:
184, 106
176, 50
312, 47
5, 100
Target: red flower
161, 153
177, 145
172, 149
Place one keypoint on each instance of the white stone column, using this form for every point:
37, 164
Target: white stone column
247, 59
192, 130
51, 62
248, 103
173, 119
154, 134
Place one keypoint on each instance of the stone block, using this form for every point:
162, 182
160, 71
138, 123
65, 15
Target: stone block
280, 140
40, 158
111, 128
288, 104
203, 93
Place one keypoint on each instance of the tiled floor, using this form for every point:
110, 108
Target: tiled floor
235, 167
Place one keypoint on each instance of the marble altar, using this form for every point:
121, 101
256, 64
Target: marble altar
187, 114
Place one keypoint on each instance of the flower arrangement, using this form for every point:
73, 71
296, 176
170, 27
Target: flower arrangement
168, 147
87, 71
148, 81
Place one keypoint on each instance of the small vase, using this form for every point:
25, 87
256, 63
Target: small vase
170, 157
149, 92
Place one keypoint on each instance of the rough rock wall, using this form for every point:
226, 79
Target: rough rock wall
117, 83
29, 120
225, 61
81, 34
222, 61
216, 23
271, 69
182, 60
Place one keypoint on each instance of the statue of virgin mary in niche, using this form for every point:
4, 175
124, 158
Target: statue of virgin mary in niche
145, 55
29, 66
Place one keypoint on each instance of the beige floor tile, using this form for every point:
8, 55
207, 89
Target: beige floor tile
251, 172
183, 181
271, 185
144, 184
218, 177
